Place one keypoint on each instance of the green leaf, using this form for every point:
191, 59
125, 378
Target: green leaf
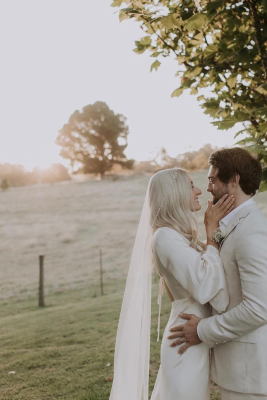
170, 22
262, 111
225, 124
196, 22
257, 148
214, 5
264, 175
155, 65
262, 89
211, 108
263, 127
263, 187
245, 141
181, 59
194, 72
142, 45
231, 81
177, 92
139, 49
223, 113
241, 116
146, 41
198, 39
211, 49
239, 133
123, 15
156, 54
117, 3
236, 106
199, 98
186, 83
194, 90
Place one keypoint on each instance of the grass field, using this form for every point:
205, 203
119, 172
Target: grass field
65, 351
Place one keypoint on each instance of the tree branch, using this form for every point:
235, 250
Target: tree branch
258, 35
159, 37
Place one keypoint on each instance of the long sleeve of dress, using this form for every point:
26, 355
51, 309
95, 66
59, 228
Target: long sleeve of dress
201, 275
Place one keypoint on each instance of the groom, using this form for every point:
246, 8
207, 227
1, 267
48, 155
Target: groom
238, 337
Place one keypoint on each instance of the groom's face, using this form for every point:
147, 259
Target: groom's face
216, 187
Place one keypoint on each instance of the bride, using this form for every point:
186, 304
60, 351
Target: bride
192, 274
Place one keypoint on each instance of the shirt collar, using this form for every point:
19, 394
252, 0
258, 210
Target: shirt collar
229, 216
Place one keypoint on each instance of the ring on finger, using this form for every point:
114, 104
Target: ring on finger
182, 339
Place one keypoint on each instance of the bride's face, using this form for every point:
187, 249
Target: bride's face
195, 193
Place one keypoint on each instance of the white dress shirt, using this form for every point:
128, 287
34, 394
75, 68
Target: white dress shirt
225, 221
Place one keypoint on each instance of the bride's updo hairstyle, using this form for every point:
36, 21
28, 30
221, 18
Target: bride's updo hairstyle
171, 204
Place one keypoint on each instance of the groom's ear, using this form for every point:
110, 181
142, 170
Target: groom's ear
235, 180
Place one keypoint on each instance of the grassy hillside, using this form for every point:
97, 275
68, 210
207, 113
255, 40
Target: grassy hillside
68, 223
66, 350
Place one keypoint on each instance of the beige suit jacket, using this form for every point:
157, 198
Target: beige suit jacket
239, 336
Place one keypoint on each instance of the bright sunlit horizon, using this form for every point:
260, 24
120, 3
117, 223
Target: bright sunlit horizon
59, 56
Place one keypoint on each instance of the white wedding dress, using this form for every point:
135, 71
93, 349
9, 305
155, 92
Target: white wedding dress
193, 280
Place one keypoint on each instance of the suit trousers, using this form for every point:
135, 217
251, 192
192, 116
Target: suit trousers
229, 395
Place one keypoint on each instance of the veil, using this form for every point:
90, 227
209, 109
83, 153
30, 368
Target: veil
132, 349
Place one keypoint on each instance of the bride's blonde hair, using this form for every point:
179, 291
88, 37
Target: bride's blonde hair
171, 204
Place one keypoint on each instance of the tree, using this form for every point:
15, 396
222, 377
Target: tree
196, 160
219, 44
95, 139
191, 160
15, 175
4, 184
52, 174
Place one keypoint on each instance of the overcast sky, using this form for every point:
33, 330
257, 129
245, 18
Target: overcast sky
60, 55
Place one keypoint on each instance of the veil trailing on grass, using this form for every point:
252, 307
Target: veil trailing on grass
132, 350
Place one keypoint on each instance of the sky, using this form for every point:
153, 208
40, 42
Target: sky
59, 55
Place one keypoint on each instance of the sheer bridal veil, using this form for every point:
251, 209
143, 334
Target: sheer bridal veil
132, 350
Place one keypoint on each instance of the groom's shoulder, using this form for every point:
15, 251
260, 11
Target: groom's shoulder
255, 215
253, 219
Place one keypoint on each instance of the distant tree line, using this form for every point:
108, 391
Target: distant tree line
17, 175
191, 160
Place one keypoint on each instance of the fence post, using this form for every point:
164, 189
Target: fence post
101, 272
41, 281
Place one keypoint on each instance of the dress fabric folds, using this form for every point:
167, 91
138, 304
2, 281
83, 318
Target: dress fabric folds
194, 280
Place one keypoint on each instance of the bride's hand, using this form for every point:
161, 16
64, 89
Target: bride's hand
214, 214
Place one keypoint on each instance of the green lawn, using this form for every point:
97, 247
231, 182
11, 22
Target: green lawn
65, 351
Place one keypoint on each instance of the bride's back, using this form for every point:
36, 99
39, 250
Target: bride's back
164, 239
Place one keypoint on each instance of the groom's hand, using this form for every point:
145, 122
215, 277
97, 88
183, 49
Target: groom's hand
186, 333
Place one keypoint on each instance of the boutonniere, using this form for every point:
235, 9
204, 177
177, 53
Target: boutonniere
219, 235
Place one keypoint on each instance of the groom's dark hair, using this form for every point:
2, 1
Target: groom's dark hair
236, 161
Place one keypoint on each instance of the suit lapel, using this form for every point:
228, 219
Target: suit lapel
237, 218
